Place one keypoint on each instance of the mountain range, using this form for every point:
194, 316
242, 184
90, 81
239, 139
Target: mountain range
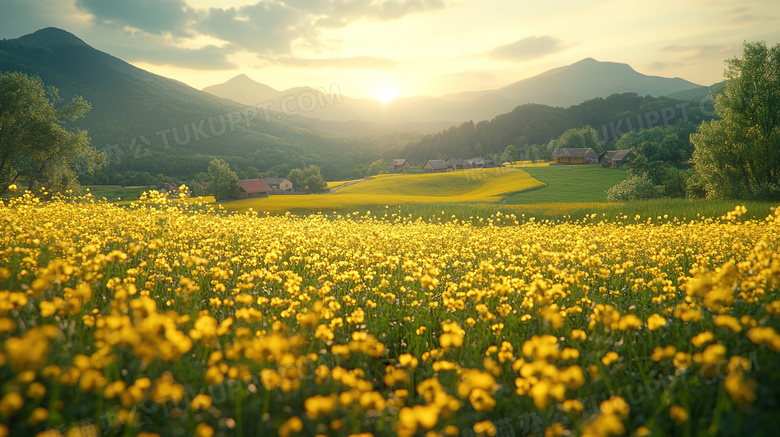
563, 86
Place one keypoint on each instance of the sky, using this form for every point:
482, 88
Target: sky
391, 48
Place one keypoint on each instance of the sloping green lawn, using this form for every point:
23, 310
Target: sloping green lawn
569, 184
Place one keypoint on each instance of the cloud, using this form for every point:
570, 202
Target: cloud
357, 62
22, 17
272, 27
152, 16
263, 28
532, 47
676, 56
743, 15
659, 65
163, 32
693, 52
205, 58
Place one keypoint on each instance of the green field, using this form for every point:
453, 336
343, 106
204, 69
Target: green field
569, 184
115, 193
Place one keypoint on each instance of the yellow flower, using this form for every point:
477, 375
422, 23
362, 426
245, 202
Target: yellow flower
656, 322
291, 425
572, 406
703, 338
661, 353
610, 358
615, 405
485, 428
678, 414
10, 404
407, 360
318, 405
200, 402
204, 430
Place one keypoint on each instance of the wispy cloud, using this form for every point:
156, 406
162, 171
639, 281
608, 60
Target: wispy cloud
532, 47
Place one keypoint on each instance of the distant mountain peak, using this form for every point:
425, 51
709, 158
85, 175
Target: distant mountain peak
50, 37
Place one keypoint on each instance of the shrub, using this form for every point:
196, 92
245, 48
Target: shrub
635, 188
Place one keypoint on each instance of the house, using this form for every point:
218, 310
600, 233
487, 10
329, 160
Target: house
478, 162
252, 188
281, 184
399, 165
169, 187
574, 156
435, 166
458, 164
615, 158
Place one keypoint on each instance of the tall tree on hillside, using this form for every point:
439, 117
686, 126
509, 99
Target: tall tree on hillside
739, 155
224, 183
35, 143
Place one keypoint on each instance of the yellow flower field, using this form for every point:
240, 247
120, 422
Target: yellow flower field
478, 185
163, 318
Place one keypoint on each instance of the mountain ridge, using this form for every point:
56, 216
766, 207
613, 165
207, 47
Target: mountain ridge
562, 86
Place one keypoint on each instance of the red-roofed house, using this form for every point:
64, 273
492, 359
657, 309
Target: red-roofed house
252, 188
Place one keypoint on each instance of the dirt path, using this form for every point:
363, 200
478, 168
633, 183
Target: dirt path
334, 189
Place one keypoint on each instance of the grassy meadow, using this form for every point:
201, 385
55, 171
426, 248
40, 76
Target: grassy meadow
569, 184
163, 318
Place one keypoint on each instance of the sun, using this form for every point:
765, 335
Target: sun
385, 93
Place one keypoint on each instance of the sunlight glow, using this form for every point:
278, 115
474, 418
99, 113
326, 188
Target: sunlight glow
385, 93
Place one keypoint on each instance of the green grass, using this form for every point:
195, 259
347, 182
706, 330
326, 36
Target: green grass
569, 184
481, 213
681, 209
114, 193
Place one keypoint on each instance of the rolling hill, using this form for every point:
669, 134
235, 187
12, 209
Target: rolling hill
479, 185
564, 86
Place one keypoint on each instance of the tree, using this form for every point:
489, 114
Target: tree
34, 140
662, 154
510, 154
377, 167
581, 137
224, 183
738, 156
313, 180
296, 177
309, 179
636, 187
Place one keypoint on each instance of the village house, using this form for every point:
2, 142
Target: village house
435, 166
279, 184
615, 158
252, 188
477, 162
169, 187
458, 164
566, 156
399, 165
